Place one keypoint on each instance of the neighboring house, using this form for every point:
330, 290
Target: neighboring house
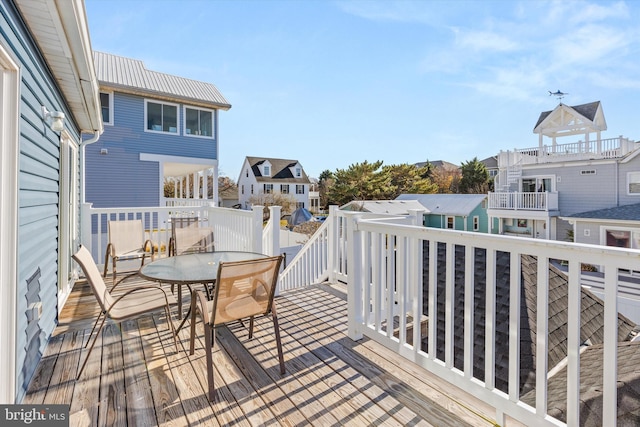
261, 175
158, 127
229, 197
537, 187
45, 66
618, 226
314, 198
453, 211
391, 207
439, 164
491, 164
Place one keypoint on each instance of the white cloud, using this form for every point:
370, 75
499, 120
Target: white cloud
485, 41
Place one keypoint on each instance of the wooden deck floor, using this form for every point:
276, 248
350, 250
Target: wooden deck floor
136, 378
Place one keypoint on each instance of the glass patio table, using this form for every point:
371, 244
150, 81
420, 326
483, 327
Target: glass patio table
191, 269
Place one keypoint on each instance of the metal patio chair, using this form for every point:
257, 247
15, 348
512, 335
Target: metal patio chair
126, 241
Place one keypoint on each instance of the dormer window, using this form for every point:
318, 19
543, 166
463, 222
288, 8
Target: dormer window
298, 172
266, 170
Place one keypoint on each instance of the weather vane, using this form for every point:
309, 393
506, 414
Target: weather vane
558, 94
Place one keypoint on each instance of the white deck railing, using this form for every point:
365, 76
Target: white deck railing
233, 229
610, 148
533, 201
388, 282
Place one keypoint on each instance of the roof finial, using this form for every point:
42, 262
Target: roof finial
558, 94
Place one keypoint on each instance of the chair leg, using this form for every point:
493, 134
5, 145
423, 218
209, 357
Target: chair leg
250, 327
209, 340
172, 328
106, 263
193, 326
276, 328
91, 348
94, 327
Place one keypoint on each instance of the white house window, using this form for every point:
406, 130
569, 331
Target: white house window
198, 122
266, 170
284, 188
633, 183
450, 222
242, 189
106, 106
268, 188
161, 117
299, 205
299, 189
476, 223
298, 172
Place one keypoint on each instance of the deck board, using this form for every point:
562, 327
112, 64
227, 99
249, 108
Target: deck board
136, 377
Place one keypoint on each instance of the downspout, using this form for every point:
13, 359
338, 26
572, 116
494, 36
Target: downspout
94, 138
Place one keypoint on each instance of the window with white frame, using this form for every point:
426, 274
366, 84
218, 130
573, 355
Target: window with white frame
633, 183
299, 189
476, 223
299, 205
298, 172
620, 237
161, 117
450, 222
268, 188
198, 122
266, 170
284, 188
106, 106
242, 189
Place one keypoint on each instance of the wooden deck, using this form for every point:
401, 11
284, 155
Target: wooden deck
136, 378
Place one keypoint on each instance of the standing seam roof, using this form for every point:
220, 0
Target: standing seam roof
130, 75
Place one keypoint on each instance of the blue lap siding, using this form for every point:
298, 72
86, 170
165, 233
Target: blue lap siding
38, 195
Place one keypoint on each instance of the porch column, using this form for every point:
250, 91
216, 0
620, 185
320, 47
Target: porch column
196, 186
205, 184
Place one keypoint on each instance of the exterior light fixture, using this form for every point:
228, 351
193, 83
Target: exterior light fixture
55, 119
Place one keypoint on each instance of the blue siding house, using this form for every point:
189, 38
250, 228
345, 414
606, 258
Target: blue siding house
49, 99
158, 128
465, 212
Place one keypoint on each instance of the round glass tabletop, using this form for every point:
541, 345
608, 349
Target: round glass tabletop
192, 268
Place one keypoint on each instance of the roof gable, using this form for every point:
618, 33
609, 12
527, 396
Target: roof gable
282, 170
566, 120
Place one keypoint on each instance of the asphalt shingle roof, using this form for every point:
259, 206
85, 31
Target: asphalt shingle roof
587, 110
280, 170
624, 213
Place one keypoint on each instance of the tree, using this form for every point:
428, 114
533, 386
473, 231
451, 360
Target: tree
360, 181
405, 178
446, 180
325, 181
475, 177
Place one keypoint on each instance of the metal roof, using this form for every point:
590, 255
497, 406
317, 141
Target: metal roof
393, 207
447, 204
131, 76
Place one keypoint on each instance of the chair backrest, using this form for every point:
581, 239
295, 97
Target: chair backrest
187, 235
85, 260
126, 236
244, 289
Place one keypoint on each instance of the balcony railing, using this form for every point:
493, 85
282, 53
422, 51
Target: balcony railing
233, 229
611, 148
425, 282
532, 201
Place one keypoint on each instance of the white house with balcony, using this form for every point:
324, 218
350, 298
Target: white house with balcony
261, 176
536, 186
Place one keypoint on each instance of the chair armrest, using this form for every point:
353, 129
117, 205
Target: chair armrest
199, 298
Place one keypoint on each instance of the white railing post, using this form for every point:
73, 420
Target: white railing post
355, 265
274, 239
85, 225
332, 242
256, 228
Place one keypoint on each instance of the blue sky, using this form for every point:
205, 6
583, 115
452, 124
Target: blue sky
332, 83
